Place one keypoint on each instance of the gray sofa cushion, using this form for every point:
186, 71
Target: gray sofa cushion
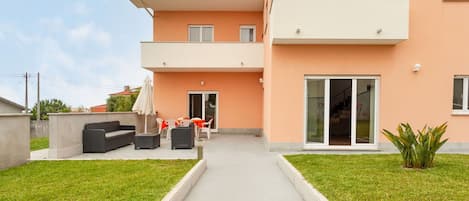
117, 133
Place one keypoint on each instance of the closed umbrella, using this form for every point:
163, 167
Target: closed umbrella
144, 103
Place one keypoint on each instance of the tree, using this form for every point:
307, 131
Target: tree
49, 106
121, 103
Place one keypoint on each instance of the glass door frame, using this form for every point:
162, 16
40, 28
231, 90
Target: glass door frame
203, 105
354, 145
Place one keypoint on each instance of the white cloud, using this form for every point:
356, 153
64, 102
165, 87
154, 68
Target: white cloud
52, 24
89, 32
103, 38
81, 80
78, 78
11, 93
80, 8
82, 32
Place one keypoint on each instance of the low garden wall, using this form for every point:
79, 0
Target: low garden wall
65, 129
14, 139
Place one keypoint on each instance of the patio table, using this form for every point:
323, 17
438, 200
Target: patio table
147, 141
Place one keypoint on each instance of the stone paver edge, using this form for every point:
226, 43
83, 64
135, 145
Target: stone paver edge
183, 187
304, 188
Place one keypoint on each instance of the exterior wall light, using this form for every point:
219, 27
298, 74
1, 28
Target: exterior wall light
261, 80
202, 83
298, 31
417, 67
242, 63
164, 63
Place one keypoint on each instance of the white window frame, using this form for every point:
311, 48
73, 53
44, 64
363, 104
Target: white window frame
248, 27
200, 32
465, 95
353, 146
203, 105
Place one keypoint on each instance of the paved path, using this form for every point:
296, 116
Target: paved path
239, 168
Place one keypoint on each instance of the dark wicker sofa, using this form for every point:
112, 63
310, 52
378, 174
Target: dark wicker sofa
104, 136
183, 137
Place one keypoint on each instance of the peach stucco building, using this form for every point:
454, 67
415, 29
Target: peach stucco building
312, 74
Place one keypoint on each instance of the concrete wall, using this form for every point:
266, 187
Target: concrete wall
7, 108
14, 140
65, 129
39, 129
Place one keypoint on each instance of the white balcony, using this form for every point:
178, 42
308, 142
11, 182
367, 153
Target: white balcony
202, 57
363, 22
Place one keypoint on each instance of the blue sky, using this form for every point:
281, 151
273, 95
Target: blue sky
84, 49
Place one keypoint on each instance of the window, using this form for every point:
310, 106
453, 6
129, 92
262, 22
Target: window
461, 94
247, 34
200, 33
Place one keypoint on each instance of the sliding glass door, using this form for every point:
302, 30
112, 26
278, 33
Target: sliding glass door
340, 111
315, 111
204, 105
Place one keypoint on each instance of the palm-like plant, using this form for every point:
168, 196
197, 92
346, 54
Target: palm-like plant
417, 151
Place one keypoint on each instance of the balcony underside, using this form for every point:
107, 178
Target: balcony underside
202, 69
334, 41
200, 5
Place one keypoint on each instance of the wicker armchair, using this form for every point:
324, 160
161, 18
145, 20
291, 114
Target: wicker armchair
183, 137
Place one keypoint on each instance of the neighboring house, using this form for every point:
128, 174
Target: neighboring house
312, 74
99, 108
7, 106
126, 92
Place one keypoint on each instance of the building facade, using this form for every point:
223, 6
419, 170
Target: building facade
313, 74
7, 106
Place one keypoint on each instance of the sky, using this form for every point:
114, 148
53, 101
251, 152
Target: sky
83, 49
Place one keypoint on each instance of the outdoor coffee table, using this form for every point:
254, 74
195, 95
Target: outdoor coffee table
147, 141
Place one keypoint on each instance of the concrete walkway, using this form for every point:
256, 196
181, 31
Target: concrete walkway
239, 168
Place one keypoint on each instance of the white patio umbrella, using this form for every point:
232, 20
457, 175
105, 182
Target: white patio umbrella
144, 103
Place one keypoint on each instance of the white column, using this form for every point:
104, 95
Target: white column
327, 97
354, 113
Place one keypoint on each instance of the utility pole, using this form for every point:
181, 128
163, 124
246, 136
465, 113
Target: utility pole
26, 94
38, 106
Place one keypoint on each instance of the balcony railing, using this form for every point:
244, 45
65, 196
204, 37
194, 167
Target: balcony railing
184, 56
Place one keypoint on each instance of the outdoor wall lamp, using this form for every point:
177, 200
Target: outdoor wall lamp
379, 31
417, 67
261, 80
164, 63
202, 83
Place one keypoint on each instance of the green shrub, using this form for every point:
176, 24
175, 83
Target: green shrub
49, 106
417, 150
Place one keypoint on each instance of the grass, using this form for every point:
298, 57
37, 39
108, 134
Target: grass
39, 143
93, 180
381, 177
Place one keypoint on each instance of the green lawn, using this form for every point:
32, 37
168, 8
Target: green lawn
93, 180
381, 177
39, 143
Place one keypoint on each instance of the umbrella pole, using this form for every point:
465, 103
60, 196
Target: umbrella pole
145, 124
